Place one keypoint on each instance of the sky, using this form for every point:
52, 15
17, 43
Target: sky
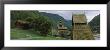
67, 14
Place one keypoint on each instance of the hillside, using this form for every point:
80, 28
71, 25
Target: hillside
35, 25
95, 24
55, 19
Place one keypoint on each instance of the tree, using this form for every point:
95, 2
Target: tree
35, 20
43, 25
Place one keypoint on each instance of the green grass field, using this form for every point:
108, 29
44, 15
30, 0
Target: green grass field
19, 34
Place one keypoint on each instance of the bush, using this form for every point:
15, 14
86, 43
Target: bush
43, 25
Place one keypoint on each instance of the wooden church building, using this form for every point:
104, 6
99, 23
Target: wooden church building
80, 28
62, 30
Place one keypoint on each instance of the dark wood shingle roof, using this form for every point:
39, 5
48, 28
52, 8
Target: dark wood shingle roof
79, 18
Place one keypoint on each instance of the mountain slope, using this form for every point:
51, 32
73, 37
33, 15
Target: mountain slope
55, 19
95, 24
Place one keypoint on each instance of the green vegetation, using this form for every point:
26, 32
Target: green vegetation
19, 34
34, 25
55, 19
33, 19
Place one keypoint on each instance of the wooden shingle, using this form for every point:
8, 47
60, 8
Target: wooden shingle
79, 18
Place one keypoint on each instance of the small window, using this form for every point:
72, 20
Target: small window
60, 25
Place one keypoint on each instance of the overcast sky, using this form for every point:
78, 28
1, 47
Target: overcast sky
67, 14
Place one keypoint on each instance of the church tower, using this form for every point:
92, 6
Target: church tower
62, 30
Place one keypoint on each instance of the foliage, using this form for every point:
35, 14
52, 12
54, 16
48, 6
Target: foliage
35, 19
55, 19
30, 34
41, 22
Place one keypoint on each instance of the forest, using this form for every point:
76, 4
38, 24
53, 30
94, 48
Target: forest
34, 24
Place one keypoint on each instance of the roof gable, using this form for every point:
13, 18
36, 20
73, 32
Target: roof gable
79, 18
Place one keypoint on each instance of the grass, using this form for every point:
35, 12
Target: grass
19, 34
